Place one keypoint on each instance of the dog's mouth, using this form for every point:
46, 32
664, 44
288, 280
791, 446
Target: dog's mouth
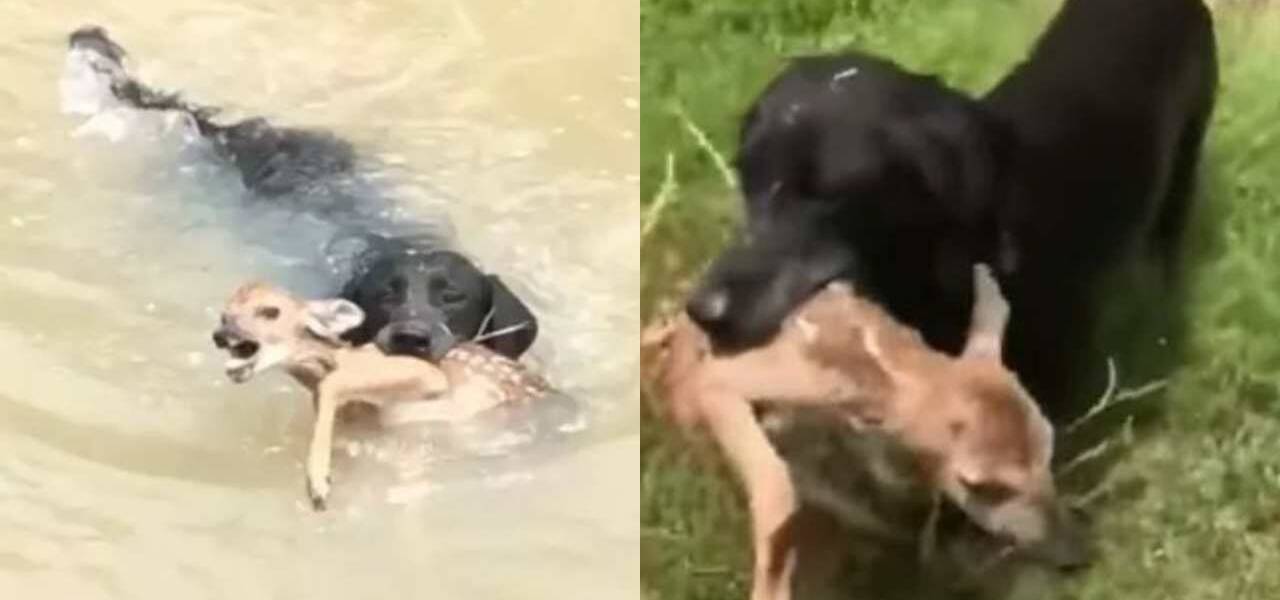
737, 319
751, 287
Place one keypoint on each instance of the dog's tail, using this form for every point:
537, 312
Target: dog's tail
95, 78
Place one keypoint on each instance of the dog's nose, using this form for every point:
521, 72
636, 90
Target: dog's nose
411, 339
416, 338
708, 307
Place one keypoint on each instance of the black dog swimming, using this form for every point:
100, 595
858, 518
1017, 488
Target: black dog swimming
853, 168
419, 296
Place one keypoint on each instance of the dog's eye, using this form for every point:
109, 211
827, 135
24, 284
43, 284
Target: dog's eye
992, 492
452, 297
269, 313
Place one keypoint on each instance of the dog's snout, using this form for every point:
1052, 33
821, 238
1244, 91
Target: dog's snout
708, 307
416, 338
411, 339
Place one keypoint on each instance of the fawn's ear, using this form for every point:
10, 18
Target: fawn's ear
990, 315
331, 318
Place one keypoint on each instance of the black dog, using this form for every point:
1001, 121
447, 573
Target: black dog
419, 296
853, 168
423, 303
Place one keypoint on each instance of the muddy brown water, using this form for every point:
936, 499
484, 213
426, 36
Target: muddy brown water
129, 468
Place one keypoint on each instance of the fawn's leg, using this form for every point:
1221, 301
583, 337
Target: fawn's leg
321, 450
770, 494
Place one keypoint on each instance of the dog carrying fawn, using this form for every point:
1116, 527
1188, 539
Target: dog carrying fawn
263, 326
975, 433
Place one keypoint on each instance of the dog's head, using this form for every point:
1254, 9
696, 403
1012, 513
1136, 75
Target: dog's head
423, 303
850, 165
263, 326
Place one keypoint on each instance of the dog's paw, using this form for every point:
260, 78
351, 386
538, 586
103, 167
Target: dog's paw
318, 491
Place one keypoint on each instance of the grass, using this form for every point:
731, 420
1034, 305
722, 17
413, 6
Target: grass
1189, 506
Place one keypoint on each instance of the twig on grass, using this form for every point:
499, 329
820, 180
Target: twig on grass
666, 192
1103, 401
704, 142
1099, 449
1104, 486
1113, 396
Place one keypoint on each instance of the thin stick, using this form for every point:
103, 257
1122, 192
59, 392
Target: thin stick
705, 143
1096, 451
1089, 497
666, 192
1110, 398
1103, 402
1114, 397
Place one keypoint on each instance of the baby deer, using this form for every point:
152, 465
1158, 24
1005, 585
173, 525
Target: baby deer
977, 436
264, 326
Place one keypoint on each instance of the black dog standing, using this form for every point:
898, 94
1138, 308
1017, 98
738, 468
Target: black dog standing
419, 296
853, 168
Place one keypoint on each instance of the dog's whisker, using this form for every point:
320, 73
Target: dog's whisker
484, 325
523, 325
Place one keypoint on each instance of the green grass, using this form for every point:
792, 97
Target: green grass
1190, 505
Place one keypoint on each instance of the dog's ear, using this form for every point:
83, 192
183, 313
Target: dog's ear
329, 319
510, 319
990, 315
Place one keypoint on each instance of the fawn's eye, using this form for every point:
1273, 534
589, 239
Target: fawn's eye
269, 313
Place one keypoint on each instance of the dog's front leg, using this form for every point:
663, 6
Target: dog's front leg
321, 451
771, 496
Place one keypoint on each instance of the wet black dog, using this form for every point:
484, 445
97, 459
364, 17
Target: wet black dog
853, 168
419, 296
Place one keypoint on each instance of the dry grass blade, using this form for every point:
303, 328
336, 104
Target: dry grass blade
1089, 497
704, 142
666, 192
1113, 396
